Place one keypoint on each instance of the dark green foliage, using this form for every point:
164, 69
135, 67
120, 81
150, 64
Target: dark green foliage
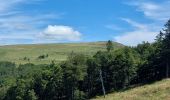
43, 56
26, 58
7, 70
74, 71
109, 45
125, 65
118, 69
155, 63
166, 47
50, 82
21, 91
92, 83
8, 73
54, 88
30, 95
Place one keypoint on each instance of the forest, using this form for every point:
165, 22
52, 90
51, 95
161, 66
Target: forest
82, 76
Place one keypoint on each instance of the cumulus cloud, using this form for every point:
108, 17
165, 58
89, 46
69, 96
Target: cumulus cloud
60, 33
141, 32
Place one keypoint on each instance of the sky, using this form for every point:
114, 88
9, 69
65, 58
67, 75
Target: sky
129, 22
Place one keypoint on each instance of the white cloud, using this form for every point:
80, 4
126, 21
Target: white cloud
141, 32
158, 12
60, 33
7, 5
153, 10
18, 24
135, 37
135, 24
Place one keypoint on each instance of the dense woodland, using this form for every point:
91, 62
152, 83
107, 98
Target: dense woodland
80, 77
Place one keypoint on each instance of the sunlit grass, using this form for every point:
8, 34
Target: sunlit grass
156, 91
56, 52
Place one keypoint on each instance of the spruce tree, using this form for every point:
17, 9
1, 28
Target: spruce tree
109, 45
166, 46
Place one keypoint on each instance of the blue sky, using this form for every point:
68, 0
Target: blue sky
51, 21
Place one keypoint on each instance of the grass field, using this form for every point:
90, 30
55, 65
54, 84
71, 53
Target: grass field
57, 52
156, 91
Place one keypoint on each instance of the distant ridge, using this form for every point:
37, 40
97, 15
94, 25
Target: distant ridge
102, 42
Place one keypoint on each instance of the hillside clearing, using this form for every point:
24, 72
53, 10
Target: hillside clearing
21, 54
156, 91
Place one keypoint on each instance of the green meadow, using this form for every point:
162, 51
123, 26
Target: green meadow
156, 91
21, 54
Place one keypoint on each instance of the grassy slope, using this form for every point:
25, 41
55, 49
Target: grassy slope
156, 91
57, 52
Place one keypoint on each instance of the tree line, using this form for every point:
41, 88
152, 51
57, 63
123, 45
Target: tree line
79, 77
